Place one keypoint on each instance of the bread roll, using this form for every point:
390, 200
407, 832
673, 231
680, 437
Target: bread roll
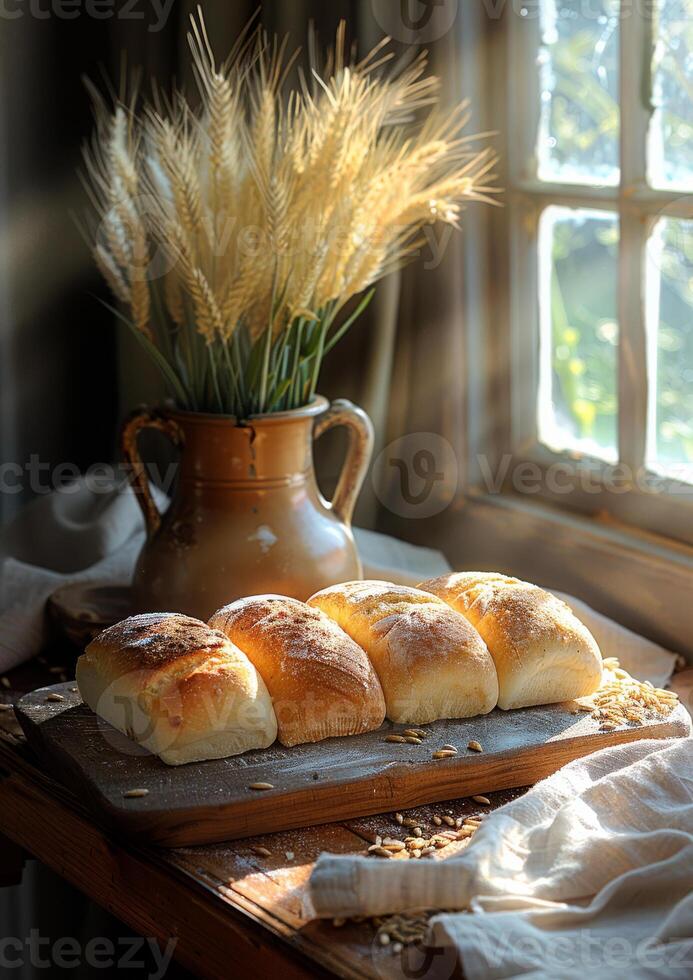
322, 684
543, 653
430, 662
177, 687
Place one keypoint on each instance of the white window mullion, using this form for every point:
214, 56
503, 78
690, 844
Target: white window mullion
522, 114
633, 386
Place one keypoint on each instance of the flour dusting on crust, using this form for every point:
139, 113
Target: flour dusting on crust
159, 638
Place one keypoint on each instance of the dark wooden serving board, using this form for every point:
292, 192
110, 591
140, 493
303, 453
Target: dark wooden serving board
339, 778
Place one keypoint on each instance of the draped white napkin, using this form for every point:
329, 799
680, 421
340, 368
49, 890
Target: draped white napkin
590, 874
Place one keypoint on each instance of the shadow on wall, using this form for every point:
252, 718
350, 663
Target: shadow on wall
58, 354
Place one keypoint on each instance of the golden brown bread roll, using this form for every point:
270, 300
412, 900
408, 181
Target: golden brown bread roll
177, 687
322, 684
543, 653
430, 662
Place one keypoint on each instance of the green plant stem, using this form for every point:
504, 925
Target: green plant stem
342, 329
319, 353
268, 346
235, 376
186, 341
161, 362
215, 380
294, 390
161, 329
231, 369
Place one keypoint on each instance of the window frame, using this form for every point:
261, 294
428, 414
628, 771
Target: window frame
513, 317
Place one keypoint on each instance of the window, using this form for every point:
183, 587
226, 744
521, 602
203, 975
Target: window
598, 216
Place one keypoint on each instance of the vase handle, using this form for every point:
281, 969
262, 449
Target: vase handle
146, 419
360, 428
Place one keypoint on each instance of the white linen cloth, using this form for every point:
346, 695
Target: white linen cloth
590, 874
80, 535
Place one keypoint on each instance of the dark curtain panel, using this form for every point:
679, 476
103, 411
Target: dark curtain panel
58, 348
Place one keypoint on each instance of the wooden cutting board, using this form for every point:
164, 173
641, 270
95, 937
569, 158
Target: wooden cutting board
339, 778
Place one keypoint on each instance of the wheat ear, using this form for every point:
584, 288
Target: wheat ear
109, 269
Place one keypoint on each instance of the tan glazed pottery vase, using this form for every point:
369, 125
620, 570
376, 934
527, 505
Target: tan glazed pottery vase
246, 516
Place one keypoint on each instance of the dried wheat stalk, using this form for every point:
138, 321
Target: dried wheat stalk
235, 234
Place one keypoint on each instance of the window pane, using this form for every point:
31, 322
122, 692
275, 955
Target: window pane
577, 404
579, 127
670, 323
671, 131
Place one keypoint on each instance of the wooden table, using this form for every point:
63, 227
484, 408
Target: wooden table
226, 905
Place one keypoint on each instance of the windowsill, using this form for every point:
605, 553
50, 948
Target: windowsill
606, 530
654, 507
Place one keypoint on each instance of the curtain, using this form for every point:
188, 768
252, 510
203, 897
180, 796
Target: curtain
58, 346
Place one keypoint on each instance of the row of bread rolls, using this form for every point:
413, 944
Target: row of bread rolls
270, 666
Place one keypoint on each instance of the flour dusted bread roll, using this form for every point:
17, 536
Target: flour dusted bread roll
177, 687
322, 683
543, 653
430, 662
